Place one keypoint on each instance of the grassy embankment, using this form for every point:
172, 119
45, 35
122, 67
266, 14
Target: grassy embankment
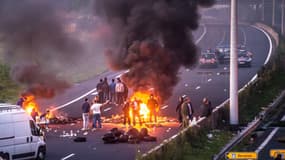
196, 144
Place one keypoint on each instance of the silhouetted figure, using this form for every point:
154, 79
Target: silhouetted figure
136, 110
206, 108
153, 108
99, 88
126, 110
112, 89
178, 109
34, 114
105, 89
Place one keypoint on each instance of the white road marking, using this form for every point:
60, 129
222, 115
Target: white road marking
198, 87
270, 43
74, 100
187, 69
164, 107
225, 68
267, 140
203, 34
244, 36
94, 93
209, 80
186, 85
218, 73
107, 109
283, 118
93, 90
225, 90
66, 157
223, 38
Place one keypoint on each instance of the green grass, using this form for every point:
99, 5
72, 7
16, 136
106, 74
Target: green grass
204, 148
8, 89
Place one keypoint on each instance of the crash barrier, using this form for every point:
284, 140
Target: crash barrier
219, 114
269, 30
250, 128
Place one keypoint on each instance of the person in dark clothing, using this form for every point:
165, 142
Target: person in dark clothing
126, 91
136, 110
126, 110
21, 101
34, 114
105, 89
85, 114
99, 88
152, 104
178, 109
206, 108
187, 112
112, 89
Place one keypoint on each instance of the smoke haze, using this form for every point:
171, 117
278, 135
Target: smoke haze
154, 40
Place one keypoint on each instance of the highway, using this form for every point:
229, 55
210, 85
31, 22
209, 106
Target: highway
197, 83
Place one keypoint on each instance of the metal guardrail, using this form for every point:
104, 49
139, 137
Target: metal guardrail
243, 134
251, 127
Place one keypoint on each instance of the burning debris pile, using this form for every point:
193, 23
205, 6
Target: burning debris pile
132, 136
154, 40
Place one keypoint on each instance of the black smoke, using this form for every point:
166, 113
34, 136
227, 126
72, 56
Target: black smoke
36, 45
154, 38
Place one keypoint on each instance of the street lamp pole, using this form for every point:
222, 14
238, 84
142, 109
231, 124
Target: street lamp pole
282, 17
234, 120
273, 13
263, 8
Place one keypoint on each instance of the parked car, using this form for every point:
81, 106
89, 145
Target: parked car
208, 59
20, 137
244, 59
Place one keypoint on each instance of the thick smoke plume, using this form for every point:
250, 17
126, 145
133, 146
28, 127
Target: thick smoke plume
36, 44
155, 40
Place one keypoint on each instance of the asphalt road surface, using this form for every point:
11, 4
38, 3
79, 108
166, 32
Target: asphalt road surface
197, 83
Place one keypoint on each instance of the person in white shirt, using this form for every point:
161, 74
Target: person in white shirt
96, 110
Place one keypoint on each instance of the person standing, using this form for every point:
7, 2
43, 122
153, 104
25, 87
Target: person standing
34, 114
100, 90
136, 111
126, 110
153, 108
178, 108
21, 101
85, 114
105, 89
112, 90
96, 109
120, 89
206, 107
187, 112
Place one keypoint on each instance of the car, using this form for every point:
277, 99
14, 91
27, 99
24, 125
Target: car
223, 53
244, 58
208, 59
20, 137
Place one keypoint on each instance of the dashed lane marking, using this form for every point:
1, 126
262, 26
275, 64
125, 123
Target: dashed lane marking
68, 156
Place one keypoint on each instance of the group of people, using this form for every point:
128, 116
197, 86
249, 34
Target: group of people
135, 105
129, 105
116, 92
185, 110
95, 109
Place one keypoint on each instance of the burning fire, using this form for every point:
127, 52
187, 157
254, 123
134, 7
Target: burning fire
144, 110
30, 104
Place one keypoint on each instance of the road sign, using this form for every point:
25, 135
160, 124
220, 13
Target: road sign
241, 155
275, 152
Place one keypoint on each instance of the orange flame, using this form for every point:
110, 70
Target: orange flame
144, 109
30, 104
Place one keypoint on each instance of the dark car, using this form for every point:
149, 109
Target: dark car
244, 58
208, 59
223, 53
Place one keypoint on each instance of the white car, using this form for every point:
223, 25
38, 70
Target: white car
20, 137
